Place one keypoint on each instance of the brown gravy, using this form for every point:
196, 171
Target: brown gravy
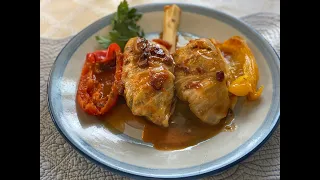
184, 130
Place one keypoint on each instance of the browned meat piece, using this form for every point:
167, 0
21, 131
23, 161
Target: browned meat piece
148, 80
201, 75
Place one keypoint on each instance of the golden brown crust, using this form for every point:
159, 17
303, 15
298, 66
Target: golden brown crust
149, 89
201, 80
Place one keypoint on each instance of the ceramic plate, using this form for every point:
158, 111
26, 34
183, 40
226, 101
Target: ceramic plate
126, 153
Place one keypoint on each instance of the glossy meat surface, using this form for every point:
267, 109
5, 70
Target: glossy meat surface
148, 80
201, 76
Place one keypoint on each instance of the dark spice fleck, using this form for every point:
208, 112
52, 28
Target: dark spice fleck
168, 60
126, 62
157, 79
143, 63
182, 67
220, 76
158, 52
150, 52
144, 55
142, 43
143, 60
200, 70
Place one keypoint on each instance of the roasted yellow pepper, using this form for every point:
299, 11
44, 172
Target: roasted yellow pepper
243, 69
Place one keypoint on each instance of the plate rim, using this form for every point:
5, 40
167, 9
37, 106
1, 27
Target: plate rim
212, 13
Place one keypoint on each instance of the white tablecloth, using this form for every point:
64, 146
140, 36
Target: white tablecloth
62, 18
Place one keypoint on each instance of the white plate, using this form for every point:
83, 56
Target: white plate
132, 157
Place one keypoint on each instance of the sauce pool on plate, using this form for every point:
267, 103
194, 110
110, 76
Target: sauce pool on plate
184, 130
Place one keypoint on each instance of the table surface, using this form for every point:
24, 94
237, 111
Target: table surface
63, 18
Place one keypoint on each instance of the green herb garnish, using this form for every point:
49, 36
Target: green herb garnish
124, 27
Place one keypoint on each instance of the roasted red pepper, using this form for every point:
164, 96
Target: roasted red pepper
98, 88
163, 43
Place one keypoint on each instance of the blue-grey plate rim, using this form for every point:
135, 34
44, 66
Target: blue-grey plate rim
246, 149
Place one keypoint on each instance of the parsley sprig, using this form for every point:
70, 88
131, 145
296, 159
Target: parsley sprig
124, 26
